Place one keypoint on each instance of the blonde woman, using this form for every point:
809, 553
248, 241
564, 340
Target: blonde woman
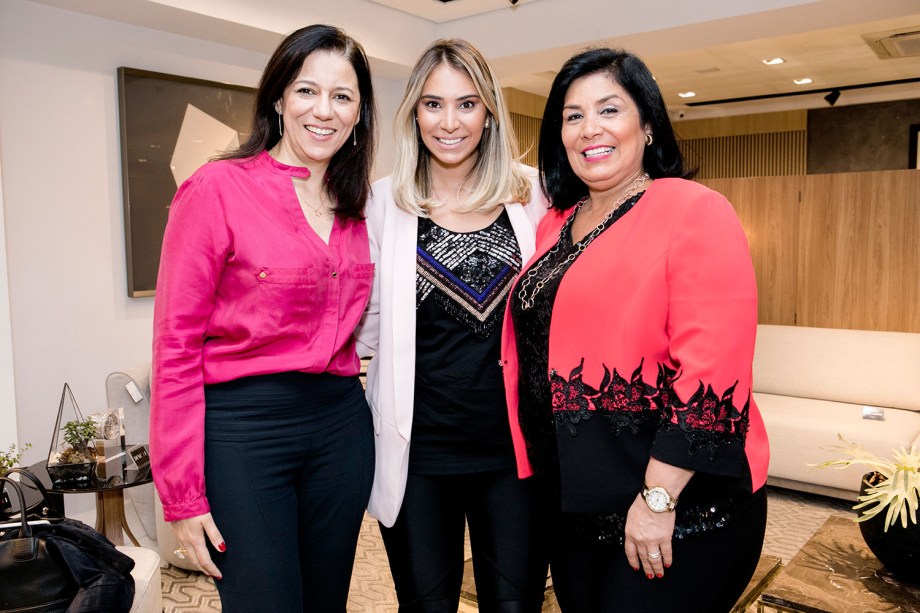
449, 231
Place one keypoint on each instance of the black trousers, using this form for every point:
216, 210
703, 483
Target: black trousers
425, 545
708, 575
289, 462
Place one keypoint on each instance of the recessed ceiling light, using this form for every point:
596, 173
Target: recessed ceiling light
774, 61
686, 94
804, 81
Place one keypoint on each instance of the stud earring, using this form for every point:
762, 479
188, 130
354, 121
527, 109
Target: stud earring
280, 130
648, 139
488, 123
354, 136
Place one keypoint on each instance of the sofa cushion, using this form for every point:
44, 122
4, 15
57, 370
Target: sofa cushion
853, 366
798, 429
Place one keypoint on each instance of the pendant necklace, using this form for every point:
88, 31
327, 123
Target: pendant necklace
528, 301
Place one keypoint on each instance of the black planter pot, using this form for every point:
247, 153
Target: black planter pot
898, 549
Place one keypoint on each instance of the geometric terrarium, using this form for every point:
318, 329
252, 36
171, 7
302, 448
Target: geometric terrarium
74, 449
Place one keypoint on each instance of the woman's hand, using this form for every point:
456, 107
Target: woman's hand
648, 538
191, 534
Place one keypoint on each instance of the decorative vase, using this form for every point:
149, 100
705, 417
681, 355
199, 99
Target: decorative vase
898, 549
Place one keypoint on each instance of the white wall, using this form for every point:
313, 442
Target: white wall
70, 315
7, 395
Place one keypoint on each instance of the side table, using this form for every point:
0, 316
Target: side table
835, 572
110, 496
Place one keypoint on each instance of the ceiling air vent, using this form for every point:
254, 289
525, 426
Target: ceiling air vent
895, 43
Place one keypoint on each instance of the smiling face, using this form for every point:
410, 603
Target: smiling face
451, 118
602, 133
320, 108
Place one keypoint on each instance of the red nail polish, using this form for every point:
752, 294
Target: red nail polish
635, 568
218, 577
649, 575
222, 547
667, 566
659, 575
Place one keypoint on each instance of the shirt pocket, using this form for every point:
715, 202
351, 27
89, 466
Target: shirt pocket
358, 290
290, 298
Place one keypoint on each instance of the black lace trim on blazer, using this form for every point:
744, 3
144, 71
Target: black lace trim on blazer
707, 420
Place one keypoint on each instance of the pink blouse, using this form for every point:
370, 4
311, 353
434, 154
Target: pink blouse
245, 287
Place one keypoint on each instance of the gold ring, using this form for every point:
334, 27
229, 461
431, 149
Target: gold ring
180, 553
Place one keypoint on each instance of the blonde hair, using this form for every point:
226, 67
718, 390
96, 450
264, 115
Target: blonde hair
496, 177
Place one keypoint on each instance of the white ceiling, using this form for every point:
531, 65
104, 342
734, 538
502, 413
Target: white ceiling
713, 47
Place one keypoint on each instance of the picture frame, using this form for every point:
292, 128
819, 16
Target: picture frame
913, 161
169, 126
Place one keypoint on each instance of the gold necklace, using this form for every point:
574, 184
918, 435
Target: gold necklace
319, 210
527, 303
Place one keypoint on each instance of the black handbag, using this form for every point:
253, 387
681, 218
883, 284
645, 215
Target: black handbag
44, 508
32, 577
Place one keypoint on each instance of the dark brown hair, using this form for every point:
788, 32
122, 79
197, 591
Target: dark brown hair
348, 175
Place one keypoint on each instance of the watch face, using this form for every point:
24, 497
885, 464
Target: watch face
657, 499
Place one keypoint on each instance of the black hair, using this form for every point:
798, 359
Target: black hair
661, 159
348, 175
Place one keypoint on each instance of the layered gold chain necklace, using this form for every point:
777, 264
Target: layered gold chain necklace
528, 280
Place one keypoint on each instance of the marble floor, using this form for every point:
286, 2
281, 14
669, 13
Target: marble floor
792, 519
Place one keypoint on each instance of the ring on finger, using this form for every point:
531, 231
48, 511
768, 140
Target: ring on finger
654, 556
180, 553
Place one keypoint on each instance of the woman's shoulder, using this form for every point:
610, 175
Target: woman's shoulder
216, 170
687, 189
683, 195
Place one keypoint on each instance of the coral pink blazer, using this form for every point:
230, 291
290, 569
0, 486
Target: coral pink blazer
666, 300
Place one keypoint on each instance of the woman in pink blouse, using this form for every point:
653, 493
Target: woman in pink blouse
628, 345
261, 440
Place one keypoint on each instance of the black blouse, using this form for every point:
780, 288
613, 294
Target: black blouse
460, 423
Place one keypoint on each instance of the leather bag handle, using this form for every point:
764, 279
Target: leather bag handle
25, 531
46, 499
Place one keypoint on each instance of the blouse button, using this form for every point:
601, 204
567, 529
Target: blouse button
263, 274
334, 274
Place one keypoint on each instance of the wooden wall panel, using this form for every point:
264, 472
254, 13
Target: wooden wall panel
859, 242
749, 155
834, 250
772, 231
527, 133
739, 125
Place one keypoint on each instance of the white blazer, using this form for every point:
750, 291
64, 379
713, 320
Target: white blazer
388, 331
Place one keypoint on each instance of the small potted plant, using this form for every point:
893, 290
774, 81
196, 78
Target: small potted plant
9, 459
75, 462
889, 497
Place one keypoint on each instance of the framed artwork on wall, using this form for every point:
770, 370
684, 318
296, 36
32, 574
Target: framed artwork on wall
913, 161
170, 125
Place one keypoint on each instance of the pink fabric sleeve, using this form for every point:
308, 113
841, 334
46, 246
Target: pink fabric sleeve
712, 323
195, 246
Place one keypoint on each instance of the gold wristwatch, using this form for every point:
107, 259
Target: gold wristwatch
658, 499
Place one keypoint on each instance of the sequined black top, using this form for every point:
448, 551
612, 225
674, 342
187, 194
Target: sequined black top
532, 333
460, 423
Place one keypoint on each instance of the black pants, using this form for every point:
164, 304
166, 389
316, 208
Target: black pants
289, 461
425, 545
708, 575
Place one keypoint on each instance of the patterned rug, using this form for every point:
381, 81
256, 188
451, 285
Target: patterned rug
792, 519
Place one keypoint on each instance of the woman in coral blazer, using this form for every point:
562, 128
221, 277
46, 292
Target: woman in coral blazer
628, 346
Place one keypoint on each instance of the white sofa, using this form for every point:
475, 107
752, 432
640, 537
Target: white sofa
148, 591
812, 384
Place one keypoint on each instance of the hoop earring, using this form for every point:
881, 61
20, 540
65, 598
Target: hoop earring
280, 130
648, 139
